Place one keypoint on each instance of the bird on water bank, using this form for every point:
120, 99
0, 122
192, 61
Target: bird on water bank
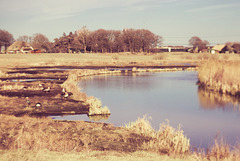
46, 89
65, 93
38, 105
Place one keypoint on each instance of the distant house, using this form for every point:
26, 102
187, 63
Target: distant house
221, 49
170, 49
20, 47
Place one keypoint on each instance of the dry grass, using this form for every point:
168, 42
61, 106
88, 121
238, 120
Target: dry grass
221, 150
96, 107
97, 59
89, 59
26, 138
70, 85
115, 57
45, 155
222, 76
14, 86
160, 56
166, 140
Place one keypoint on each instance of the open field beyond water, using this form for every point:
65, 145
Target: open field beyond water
107, 59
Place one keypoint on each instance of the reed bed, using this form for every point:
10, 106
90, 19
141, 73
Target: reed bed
166, 140
220, 76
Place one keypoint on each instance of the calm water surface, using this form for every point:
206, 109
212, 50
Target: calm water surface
170, 95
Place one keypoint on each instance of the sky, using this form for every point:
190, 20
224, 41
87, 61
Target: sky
216, 21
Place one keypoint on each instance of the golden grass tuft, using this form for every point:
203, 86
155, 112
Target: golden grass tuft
166, 140
220, 150
95, 107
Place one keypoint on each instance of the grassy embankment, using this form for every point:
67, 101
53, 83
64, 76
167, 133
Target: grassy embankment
26, 133
26, 138
220, 76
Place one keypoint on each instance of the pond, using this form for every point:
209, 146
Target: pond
168, 95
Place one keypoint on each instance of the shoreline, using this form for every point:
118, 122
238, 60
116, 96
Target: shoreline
30, 82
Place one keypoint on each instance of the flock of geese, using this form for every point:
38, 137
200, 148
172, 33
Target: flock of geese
64, 94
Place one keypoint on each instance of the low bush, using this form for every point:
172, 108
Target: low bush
166, 140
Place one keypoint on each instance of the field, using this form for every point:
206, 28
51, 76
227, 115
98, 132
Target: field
27, 137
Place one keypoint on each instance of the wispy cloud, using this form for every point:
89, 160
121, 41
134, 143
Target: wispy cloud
57, 9
213, 7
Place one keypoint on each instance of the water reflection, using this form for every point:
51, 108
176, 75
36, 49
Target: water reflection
130, 82
210, 100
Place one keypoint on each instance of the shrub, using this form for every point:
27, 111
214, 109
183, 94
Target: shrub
95, 107
167, 140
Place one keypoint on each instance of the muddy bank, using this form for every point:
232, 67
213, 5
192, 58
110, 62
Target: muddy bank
37, 92
34, 98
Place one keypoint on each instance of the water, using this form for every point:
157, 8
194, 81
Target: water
170, 95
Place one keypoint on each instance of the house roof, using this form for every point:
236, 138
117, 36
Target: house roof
218, 47
17, 45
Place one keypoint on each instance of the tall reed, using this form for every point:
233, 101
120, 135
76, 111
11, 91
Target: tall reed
221, 76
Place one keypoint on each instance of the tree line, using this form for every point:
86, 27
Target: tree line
84, 40
101, 40
128, 40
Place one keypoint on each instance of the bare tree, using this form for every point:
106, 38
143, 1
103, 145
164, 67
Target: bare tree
6, 39
197, 43
140, 40
40, 41
25, 38
101, 40
83, 36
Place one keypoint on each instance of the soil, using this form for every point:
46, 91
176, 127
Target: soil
25, 91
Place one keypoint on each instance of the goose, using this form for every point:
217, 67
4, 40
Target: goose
65, 95
38, 104
28, 101
46, 89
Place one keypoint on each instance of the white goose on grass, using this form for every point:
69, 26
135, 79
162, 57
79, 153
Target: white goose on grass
64, 93
38, 105
46, 89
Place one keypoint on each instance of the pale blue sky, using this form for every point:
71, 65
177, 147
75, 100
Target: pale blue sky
175, 20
